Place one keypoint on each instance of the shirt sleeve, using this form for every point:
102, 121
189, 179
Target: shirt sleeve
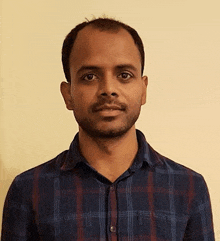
18, 219
200, 224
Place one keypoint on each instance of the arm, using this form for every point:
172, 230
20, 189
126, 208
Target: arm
200, 225
18, 219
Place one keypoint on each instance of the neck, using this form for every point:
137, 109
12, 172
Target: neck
110, 157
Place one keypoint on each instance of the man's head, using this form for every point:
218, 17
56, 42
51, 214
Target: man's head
105, 86
103, 24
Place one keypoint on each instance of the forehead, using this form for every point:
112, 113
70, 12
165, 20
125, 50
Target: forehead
91, 31
94, 43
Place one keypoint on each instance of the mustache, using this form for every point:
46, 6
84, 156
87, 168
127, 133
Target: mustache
96, 106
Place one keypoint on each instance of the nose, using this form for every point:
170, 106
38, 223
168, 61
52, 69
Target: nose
108, 87
108, 94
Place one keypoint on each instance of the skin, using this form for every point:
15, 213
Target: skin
106, 94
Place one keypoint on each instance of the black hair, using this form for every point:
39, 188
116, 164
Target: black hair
103, 24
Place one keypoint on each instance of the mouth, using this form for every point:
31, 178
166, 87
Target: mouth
109, 108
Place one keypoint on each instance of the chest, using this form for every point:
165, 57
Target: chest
136, 208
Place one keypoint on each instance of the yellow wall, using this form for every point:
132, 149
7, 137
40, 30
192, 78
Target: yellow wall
181, 118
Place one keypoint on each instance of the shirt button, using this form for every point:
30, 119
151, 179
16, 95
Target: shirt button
112, 188
113, 229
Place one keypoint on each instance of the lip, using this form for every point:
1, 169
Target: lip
108, 108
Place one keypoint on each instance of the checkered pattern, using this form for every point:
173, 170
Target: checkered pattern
66, 199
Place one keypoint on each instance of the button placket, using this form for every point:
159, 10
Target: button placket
113, 211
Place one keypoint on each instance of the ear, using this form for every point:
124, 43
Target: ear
144, 89
65, 89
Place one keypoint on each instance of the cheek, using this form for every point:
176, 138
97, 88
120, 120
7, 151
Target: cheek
138, 95
81, 101
83, 92
135, 96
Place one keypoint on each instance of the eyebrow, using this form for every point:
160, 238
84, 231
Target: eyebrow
87, 67
117, 67
126, 66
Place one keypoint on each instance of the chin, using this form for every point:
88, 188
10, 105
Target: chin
107, 134
111, 133
107, 130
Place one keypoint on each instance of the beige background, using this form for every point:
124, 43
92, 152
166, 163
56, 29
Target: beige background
181, 118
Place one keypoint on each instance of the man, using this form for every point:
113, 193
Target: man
110, 184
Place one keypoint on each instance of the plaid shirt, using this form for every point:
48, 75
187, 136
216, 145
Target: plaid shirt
66, 199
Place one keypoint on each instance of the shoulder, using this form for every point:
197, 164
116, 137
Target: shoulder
165, 164
178, 175
45, 171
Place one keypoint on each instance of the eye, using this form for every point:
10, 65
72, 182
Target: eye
125, 76
89, 77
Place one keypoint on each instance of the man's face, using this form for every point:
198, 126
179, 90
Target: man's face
107, 89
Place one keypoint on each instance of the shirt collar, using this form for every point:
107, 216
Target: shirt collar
73, 155
145, 154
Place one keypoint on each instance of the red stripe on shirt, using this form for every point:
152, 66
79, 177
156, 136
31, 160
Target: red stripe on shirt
150, 191
35, 194
79, 211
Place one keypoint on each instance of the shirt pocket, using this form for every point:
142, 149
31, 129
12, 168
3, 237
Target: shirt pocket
161, 224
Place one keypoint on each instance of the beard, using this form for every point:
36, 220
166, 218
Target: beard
114, 130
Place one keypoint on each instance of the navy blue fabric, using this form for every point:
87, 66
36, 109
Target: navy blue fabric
66, 199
